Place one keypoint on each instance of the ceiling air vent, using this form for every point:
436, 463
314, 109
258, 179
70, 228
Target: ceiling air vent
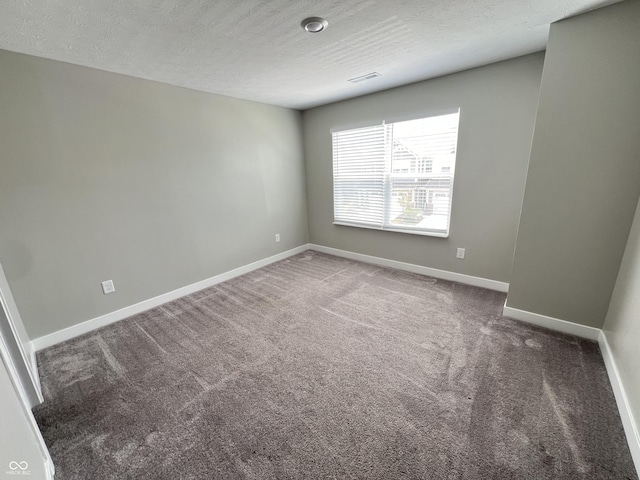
362, 78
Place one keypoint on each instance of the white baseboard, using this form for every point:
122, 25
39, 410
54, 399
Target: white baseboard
626, 415
410, 267
630, 426
68, 333
552, 323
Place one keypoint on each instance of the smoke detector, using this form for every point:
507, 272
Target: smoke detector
314, 24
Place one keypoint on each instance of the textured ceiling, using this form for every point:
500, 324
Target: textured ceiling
255, 49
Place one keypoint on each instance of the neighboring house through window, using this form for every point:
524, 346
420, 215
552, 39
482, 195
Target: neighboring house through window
396, 176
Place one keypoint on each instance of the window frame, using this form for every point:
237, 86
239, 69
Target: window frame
389, 176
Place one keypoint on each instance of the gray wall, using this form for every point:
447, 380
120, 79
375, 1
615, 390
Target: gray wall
104, 176
498, 105
622, 324
584, 172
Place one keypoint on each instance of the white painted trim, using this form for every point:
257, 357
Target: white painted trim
51, 469
21, 340
626, 415
68, 333
410, 267
7, 361
30, 391
34, 365
12, 370
552, 323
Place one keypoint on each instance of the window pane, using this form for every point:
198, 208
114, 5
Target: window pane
420, 202
425, 145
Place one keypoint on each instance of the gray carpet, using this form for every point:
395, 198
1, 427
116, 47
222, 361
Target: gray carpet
319, 367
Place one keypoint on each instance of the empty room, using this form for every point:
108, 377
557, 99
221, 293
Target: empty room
320, 240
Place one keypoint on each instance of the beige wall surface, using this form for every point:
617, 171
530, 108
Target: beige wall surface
498, 105
584, 172
104, 176
622, 324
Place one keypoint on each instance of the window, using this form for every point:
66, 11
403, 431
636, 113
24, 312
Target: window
396, 176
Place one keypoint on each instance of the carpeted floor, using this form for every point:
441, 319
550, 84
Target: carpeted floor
319, 367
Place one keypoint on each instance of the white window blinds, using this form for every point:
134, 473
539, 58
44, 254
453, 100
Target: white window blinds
359, 158
396, 176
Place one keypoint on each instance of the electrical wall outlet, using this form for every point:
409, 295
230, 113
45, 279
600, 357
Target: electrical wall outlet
108, 287
460, 253
277, 237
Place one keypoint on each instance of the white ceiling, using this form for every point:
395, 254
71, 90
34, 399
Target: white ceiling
256, 50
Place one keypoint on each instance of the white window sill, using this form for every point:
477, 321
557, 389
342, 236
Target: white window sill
427, 233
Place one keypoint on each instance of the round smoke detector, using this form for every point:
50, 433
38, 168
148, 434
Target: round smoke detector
314, 24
